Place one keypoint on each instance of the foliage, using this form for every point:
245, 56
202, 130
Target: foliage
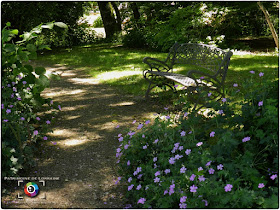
226, 158
98, 23
22, 126
196, 22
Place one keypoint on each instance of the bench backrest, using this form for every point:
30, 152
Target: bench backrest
213, 59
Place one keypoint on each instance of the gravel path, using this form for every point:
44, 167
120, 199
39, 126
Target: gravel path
81, 150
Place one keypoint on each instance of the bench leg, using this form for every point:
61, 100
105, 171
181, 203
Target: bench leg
148, 90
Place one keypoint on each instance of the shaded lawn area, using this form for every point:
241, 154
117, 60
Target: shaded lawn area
122, 67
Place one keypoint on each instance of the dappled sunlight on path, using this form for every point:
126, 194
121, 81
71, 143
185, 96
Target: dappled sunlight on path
81, 150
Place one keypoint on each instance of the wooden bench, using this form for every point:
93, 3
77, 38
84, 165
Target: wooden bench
213, 61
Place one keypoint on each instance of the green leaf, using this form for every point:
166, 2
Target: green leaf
9, 47
29, 68
14, 31
40, 70
48, 25
8, 24
54, 77
61, 24
31, 47
43, 81
23, 55
33, 55
47, 47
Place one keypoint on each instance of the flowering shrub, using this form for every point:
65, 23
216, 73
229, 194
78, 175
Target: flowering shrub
21, 101
227, 158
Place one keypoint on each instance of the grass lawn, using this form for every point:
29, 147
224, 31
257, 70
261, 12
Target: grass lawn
122, 67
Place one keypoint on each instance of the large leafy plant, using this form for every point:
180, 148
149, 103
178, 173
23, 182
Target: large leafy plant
21, 99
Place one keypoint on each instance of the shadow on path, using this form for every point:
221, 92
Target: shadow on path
86, 140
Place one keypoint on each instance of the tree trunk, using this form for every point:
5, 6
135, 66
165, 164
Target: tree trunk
272, 29
118, 14
108, 18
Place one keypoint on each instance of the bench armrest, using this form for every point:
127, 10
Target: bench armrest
156, 64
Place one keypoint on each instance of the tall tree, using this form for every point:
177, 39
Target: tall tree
108, 18
272, 29
118, 14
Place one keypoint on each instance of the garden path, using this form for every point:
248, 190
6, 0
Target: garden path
81, 150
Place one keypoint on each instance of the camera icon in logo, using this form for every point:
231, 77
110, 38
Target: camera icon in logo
31, 189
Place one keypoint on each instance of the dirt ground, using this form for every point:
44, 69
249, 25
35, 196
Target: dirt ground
81, 150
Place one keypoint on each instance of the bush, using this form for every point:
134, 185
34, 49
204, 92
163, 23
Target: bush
98, 23
227, 158
22, 85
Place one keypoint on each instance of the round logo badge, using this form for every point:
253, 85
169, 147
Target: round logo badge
31, 189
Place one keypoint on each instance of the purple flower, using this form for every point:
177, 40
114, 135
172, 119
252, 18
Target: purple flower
221, 112
183, 170
211, 171
183, 133
38, 118
200, 169
139, 176
202, 77
139, 169
181, 148
24, 82
138, 187
48, 122
166, 108
134, 121
12, 95
22, 118
119, 150
141, 200
19, 76
182, 205
35, 132
143, 136
157, 173
130, 187
8, 85
220, 167
176, 145
201, 178
192, 177
165, 192
120, 139
186, 114
224, 100
145, 147
59, 107
252, 72
273, 176
209, 94
166, 171
175, 86
246, 139
183, 199
235, 85
45, 138
177, 157
167, 117
190, 132
261, 185
147, 122
5, 120
128, 162
2, 106
19, 99
8, 111
261, 74
199, 144
155, 159
208, 164
129, 179
156, 141
193, 188
156, 180
117, 126
14, 89
172, 160
212, 134
228, 187
188, 151
206, 202
140, 126
260, 103
130, 133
